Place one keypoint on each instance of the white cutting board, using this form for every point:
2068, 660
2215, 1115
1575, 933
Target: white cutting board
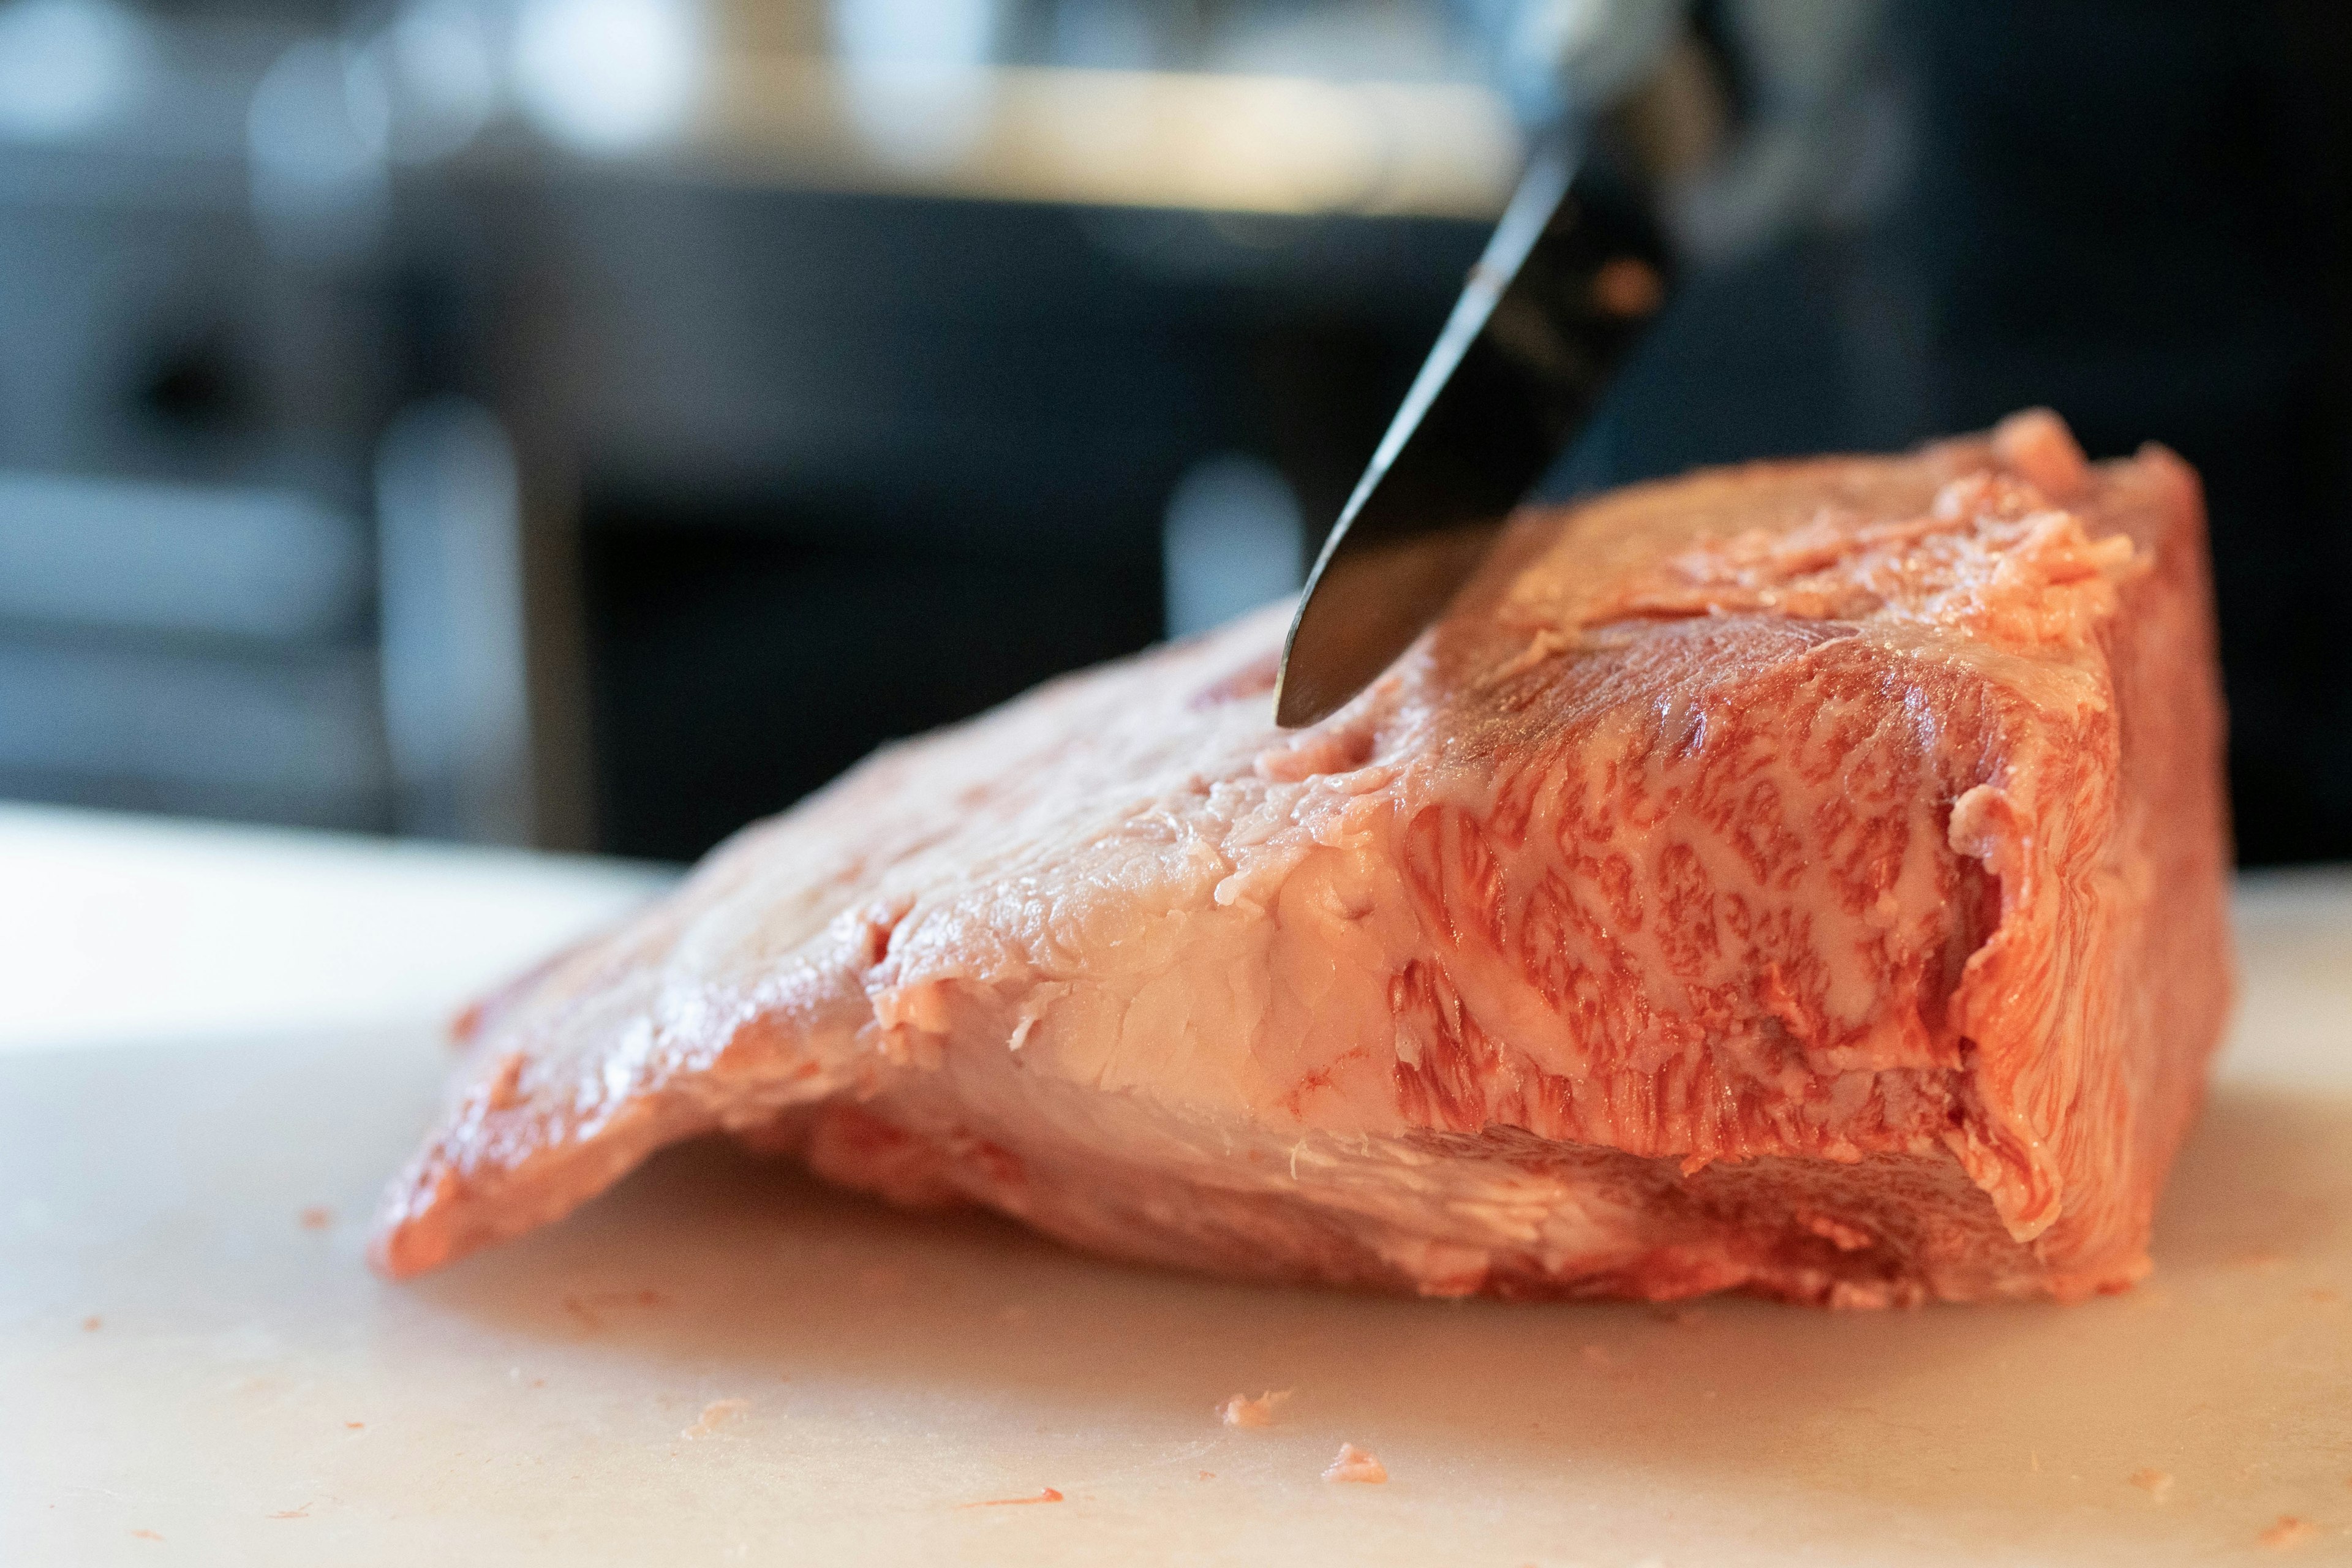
189, 1373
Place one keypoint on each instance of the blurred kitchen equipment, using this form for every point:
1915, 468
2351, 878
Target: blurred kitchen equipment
828, 424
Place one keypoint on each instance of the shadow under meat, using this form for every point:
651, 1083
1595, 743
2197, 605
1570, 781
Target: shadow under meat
712, 1259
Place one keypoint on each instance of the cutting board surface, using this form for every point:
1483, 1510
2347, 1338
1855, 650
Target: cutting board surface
196, 1367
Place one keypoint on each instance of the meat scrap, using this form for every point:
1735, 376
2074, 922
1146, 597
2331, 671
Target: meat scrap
1803, 879
2289, 1532
715, 1414
1242, 1411
1354, 1464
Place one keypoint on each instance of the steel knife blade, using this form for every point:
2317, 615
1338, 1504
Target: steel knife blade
1573, 273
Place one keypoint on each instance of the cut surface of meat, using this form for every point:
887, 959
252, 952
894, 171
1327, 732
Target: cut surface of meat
1805, 878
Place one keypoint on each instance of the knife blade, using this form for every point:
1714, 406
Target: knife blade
1574, 271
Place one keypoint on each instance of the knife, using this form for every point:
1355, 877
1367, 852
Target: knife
1573, 273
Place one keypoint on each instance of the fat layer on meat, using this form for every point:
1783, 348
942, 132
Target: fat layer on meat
1804, 878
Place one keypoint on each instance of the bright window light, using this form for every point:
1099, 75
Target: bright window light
606, 77
915, 72
66, 67
1234, 539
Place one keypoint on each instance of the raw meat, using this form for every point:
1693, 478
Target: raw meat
1804, 878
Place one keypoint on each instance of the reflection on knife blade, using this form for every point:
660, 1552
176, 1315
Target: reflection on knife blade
1572, 273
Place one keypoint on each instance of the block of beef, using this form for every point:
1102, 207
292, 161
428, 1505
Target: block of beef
1804, 878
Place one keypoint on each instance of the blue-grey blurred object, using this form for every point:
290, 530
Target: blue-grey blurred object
318, 132
456, 685
214, 562
187, 649
1234, 539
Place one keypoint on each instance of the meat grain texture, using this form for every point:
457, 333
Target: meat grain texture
1804, 878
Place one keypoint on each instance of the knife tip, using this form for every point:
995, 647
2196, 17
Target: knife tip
1296, 705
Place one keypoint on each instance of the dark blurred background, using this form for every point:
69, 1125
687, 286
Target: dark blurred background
594, 422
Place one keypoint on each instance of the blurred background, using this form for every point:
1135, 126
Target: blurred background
594, 422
